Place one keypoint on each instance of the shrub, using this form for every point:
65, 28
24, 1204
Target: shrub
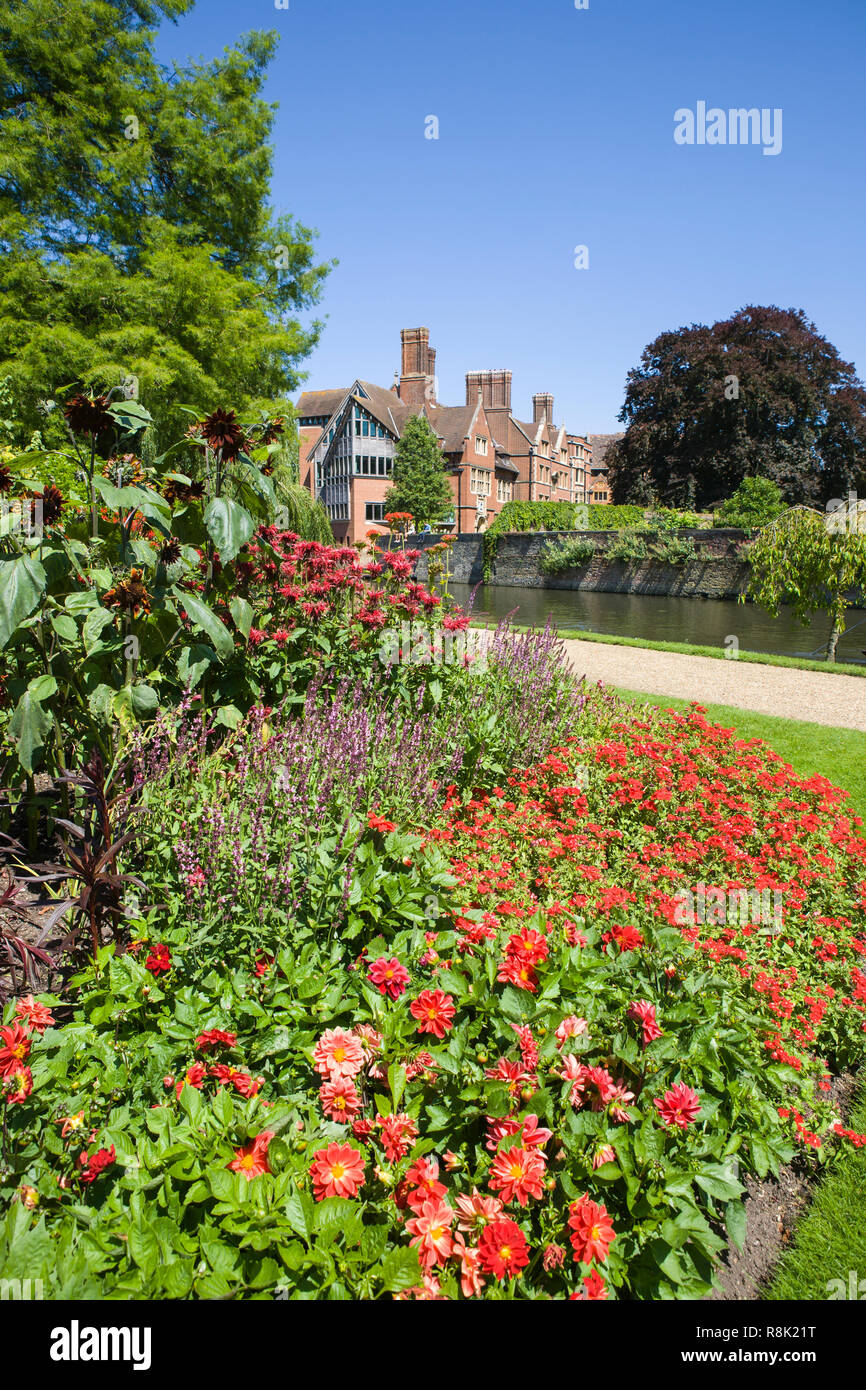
568, 553
756, 502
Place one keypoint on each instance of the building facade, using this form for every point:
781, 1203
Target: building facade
349, 436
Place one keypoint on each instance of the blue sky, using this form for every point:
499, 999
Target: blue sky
555, 131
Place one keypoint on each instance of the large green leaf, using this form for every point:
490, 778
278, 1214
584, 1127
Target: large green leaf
193, 662
124, 498
28, 726
242, 613
207, 621
22, 584
96, 620
229, 526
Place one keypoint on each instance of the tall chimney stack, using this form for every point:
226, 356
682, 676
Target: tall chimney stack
418, 366
542, 405
495, 388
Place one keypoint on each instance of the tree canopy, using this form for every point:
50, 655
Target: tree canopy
815, 562
419, 485
761, 394
138, 243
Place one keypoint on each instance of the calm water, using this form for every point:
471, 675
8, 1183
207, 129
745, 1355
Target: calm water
660, 619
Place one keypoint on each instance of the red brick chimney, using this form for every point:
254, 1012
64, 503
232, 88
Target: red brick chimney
495, 388
418, 366
542, 404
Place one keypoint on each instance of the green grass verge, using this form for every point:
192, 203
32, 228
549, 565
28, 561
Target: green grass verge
830, 1240
838, 754
838, 668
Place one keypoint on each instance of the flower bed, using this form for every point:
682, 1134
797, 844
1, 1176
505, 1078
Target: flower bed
517, 1070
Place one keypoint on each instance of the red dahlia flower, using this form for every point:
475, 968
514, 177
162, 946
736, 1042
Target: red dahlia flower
435, 1012
645, 1014
102, 1159
518, 1173
337, 1171
159, 960
340, 1101
592, 1233
251, 1160
389, 976
338, 1054
214, 1037
431, 1232
17, 1085
15, 1049
502, 1249
679, 1106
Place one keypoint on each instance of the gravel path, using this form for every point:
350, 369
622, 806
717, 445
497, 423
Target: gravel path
839, 701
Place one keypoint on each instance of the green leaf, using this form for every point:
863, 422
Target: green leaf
207, 621
400, 1270
65, 627
145, 700
735, 1223
22, 584
42, 687
193, 662
228, 716
96, 620
28, 726
718, 1180
242, 613
229, 526
130, 415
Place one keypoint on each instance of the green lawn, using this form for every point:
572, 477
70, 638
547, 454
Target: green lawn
839, 754
830, 1240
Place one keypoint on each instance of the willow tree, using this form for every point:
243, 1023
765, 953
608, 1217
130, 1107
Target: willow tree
812, 561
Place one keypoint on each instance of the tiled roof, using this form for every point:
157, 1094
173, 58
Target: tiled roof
320, 402
599, 445
452, 423
385, 406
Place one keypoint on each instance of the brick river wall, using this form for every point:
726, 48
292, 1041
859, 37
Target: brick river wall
721, 574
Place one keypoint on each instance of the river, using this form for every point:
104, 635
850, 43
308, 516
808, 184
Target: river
707, 622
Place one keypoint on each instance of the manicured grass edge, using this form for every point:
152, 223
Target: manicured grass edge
830, 1238
689, 649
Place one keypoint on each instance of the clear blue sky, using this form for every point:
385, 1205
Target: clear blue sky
556, 130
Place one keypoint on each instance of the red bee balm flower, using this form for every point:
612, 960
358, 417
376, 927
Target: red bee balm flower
435, 1012
502, 1249
337, 1171
251, 1159
389, 976
679, 1106
592, 1233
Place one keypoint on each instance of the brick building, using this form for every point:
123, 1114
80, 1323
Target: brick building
349, 435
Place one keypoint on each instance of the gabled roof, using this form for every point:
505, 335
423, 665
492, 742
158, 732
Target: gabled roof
320, 402
599, 445
453, 423
384, 405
